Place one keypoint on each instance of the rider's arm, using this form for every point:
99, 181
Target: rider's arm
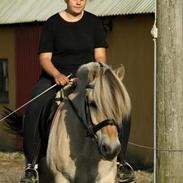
47, 65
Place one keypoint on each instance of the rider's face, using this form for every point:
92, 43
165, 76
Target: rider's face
75, 6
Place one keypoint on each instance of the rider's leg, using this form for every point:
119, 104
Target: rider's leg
31, 122
125, 171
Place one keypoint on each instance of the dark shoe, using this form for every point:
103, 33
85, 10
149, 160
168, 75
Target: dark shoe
125, 173
30, 175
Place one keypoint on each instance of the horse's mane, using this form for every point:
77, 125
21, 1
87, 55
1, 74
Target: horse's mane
109, 93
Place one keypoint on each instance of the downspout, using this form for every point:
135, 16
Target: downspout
154, 33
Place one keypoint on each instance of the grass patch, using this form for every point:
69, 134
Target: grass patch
11, 156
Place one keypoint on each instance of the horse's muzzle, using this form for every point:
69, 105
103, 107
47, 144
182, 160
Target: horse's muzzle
109, 150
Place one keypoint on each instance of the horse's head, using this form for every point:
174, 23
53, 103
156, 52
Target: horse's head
106, 104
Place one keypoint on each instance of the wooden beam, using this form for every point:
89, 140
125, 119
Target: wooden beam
170, 91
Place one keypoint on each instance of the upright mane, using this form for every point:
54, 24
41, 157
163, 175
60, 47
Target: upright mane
109, 93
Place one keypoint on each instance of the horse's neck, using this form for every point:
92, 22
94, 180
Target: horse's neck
78, 100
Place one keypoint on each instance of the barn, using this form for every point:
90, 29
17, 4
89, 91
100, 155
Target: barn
127, 23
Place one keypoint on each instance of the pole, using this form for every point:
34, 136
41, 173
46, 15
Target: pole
169, 164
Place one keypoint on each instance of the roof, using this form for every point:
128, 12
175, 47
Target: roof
21, 11
121, 7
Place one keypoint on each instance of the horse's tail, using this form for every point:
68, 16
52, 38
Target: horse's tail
13, 123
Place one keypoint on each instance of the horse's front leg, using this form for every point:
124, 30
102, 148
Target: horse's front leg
110, 177
107, 180
59, 178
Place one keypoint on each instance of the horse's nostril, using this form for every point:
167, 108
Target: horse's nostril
109, 152
105, 149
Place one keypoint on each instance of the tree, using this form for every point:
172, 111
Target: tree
169, 92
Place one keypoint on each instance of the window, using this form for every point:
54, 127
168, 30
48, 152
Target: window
4, 81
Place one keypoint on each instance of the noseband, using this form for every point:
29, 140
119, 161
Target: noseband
90, 127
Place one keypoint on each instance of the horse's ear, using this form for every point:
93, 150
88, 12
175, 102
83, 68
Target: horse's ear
120, 72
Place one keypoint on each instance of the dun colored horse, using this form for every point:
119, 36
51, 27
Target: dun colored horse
84, 138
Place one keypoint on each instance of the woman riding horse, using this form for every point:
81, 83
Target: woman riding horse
70, 38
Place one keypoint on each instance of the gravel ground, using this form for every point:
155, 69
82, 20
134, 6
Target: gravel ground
11, 166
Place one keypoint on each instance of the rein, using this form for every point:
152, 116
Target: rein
30, 101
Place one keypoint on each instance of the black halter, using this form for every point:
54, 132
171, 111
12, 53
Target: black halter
92, 128
88, 124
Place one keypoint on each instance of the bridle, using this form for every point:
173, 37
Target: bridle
90, 127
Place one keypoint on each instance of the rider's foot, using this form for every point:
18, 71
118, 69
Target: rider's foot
30, 175
125, 173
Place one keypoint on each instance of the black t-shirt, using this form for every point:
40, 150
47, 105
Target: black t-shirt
72, 43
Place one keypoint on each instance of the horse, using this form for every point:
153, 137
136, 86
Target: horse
84, 137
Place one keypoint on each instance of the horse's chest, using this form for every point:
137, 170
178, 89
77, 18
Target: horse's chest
80, 171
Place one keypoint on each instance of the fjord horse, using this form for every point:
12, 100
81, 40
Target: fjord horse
84, 138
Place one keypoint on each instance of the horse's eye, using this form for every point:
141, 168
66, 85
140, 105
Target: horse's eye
93, 104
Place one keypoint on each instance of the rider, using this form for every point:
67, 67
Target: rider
69, 39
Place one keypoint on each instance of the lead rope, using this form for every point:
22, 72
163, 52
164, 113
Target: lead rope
48, 89
53, 86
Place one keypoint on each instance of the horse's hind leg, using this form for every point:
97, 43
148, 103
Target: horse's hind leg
59, 178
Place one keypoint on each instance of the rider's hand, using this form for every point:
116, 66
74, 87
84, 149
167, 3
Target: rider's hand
61, 79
